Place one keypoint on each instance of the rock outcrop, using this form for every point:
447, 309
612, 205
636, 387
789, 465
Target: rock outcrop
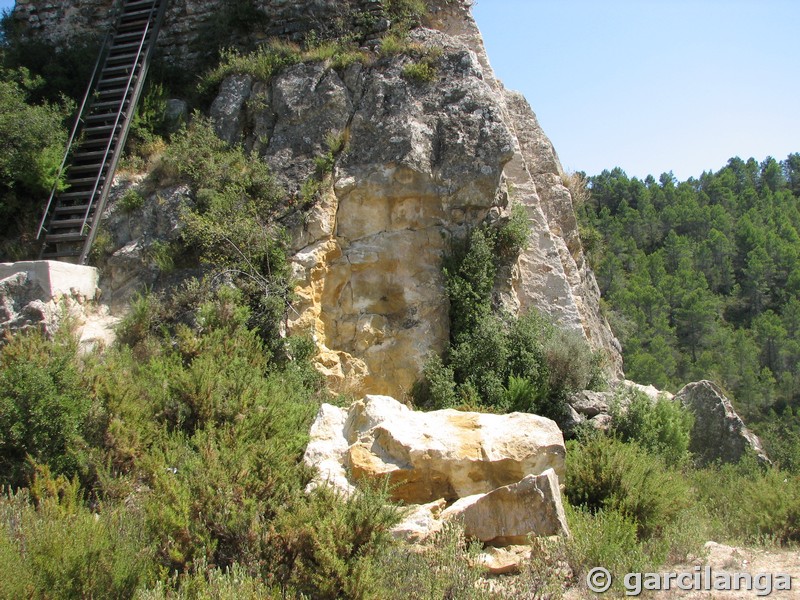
719, 434
499, 473
424, 163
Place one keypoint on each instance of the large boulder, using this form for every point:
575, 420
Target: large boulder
426, 456
512, 513
719, 434
499, 474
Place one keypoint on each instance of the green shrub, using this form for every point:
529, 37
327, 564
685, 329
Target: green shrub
60, 549
663, 427
329, 548
445, 568
749, 503
421, 72
131, 201
232, 220
43, 406
607, 474
604, 538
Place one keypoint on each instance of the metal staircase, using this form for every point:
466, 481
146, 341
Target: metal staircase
70, 220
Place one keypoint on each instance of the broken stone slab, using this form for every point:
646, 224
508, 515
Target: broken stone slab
719, 434
430, 455
55, 278
511, 514
420, 522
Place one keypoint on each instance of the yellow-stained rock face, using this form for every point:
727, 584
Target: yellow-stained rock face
371, 288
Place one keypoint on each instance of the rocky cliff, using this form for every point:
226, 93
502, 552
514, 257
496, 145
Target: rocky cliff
425, 162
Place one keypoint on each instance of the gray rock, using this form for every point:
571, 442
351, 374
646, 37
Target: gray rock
719, 434
176, 114
590, 404
226, 110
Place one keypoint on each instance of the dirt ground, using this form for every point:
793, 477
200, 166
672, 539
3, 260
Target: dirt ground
727, 559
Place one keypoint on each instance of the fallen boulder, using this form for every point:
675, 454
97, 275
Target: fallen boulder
430, 455
499, 473
512, 513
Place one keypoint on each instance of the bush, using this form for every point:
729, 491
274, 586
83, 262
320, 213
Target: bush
232, 221
607, 474
662, 427
445, 568
43, 406
329, 548
421, 72
60, 549
749, 503
604, 538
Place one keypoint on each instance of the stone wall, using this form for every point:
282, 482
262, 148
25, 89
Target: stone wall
190, 25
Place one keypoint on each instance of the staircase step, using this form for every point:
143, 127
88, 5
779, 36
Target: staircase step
115, 81
132, 13
139, 4
118, 93
65, 224
83, 181
120, 38
108, 105
65, 237
124, 48
91, 167
84, 155
98, 129
78, 209
106, 117
121, 68
121, 58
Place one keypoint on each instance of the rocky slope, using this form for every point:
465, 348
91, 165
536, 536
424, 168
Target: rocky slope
425, 162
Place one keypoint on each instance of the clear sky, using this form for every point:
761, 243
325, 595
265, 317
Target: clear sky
653, 85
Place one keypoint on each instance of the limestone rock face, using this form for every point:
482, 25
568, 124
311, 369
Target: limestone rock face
423, 164
509, 514
441, 454
719, 433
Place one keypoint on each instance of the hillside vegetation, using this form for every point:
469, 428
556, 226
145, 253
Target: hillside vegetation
701, 280
169, 465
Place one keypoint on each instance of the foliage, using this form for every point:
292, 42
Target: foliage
421, 72
232, 221
43, 406
493, 360
58, 548
446, 568
701, 278
33, 145
131, 201
751, 504
329, 548
269, 59
662, 427
604, 537
607, 474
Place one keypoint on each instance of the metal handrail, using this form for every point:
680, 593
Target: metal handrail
79, 118
119, 115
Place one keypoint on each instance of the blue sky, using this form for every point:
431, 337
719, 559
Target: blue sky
651, 85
